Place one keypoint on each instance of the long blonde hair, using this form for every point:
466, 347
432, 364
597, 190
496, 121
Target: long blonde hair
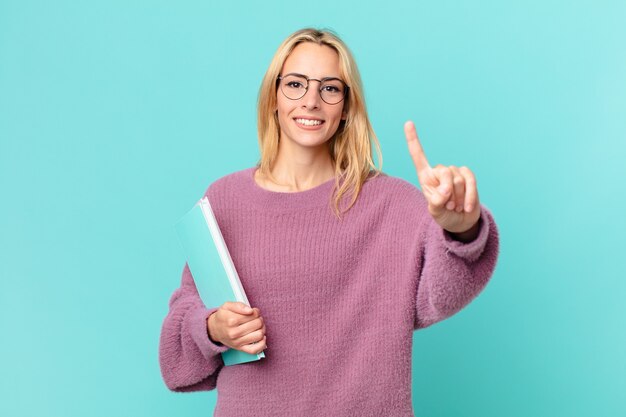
350, 147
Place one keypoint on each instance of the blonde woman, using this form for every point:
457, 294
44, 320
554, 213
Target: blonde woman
340, 262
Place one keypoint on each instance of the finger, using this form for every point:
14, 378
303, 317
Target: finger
235, 333
415, 148
237, 307
458, 182
249, 327
471, 191
240, 334
254, 337
441, 194
242, 320
254, 348
233, 319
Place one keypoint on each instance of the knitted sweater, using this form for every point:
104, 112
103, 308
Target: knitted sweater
340, 299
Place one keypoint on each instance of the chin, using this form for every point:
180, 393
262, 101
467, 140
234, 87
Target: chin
308, 140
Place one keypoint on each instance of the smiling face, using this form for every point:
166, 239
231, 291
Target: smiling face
309, 121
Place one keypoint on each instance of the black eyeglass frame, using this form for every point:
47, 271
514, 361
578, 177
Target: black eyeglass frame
306, 90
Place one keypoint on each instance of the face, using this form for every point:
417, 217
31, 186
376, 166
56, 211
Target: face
309, 121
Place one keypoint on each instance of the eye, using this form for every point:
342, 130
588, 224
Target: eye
294, 84
331, 88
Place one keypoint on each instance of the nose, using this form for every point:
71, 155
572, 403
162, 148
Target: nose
312, 97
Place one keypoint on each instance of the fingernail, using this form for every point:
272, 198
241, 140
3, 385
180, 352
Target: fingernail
443, 189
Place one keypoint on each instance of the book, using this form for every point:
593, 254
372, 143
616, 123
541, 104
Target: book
211, 266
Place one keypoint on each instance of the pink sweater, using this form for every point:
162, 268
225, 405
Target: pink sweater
340, 299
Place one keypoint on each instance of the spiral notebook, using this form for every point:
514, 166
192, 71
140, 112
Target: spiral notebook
211, 266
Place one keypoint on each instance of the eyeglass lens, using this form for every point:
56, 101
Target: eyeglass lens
294, 87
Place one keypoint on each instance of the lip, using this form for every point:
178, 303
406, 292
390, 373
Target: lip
308, 118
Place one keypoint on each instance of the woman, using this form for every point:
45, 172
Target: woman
337, 284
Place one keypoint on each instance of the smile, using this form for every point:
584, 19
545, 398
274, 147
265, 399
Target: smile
309, 122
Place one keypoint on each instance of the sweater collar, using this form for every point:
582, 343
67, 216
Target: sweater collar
317, 196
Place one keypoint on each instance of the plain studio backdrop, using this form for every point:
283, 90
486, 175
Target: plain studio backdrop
115, 116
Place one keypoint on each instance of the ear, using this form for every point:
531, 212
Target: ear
344, 115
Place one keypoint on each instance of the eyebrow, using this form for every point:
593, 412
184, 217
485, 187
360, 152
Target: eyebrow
308, 78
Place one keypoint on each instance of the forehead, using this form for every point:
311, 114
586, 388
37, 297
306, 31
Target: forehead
312, 60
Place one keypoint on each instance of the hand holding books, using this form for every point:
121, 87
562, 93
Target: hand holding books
239, 327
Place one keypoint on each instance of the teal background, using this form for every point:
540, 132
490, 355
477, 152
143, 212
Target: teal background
116, 115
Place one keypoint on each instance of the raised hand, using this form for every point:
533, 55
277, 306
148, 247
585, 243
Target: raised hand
450, 191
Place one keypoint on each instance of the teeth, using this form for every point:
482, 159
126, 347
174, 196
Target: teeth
307, 122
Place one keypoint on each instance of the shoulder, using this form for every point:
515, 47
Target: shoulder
396, 200
397, 191
224, 185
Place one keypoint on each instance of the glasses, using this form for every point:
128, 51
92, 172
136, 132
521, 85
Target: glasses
294, 87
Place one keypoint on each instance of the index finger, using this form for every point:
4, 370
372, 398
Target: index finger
415, 147
238, 307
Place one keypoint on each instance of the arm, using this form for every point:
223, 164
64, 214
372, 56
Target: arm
452, 272
189, 360
459, 241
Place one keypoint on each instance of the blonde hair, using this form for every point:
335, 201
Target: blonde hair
350, 147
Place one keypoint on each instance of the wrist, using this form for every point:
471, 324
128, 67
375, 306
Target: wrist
210, 324
468, 235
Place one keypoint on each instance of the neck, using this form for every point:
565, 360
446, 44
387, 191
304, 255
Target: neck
299, 168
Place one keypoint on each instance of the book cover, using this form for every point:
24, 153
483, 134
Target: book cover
211, 266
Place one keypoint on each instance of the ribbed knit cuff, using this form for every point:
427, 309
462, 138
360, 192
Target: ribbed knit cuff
473, 249
200, 332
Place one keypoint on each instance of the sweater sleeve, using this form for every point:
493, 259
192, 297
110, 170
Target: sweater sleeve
453, 273
189, 360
